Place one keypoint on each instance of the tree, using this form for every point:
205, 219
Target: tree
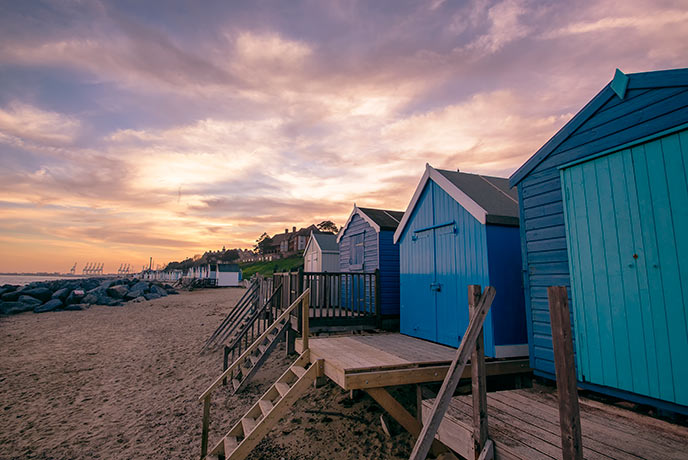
327, 226
263, 243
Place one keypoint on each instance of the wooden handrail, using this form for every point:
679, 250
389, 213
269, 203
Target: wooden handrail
259, 340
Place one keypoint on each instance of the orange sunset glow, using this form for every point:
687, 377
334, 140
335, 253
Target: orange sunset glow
130, 131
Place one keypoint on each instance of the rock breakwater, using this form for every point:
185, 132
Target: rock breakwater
78, 294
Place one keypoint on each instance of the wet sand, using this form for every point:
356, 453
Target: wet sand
123, 383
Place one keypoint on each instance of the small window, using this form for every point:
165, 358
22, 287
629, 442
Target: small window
357, 250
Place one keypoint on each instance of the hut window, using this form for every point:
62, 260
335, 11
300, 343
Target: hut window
357, 242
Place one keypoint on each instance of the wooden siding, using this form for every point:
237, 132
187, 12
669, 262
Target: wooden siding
357, 226
389, 273
627, 220
545, 260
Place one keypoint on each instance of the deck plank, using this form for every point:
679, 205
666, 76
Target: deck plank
525, 424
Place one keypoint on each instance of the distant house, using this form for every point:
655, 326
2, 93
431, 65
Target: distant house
228, 274
365, 245
290, 243
461, 229
321, 253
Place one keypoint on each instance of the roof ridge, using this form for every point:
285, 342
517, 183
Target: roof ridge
393, 218
498, 189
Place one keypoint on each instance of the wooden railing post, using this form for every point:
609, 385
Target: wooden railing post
305, 304
451, 381
478, 380
565, 368
378, 297
205, 427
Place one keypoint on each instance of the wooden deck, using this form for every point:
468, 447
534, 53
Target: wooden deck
524, 424
380, 360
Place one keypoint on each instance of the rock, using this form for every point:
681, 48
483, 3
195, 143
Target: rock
155, 289
151, 296
10, 296
40, 293
140, 286
172, 291
77, 306
90, 299
133, 294
50, 305
12, 308
75, 297
138, 299
117, 292
106, 284
27, 299
106, 300
61, 294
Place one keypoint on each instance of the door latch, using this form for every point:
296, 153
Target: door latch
437, 287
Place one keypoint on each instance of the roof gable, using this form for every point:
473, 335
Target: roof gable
379, 219
489, 199
618, 87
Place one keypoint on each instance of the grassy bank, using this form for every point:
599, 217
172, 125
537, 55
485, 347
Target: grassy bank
270, 267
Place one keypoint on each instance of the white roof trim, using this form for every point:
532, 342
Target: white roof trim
363, 215
310, 238
445, 184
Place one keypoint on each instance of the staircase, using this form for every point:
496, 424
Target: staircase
252, 361
270, 408
244, 308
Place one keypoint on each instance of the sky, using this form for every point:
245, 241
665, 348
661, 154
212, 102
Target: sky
133, 129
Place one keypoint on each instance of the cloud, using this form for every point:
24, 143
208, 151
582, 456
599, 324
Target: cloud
505, 26
645, 23
21, 122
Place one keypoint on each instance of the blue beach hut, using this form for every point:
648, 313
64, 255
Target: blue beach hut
365, 245
604, 211
461, 229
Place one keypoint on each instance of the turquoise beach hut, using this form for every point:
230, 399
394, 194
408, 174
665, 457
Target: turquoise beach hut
604, 211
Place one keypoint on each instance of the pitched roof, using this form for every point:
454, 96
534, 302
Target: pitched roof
617, 87
487, 198
386, 220
379, 219
326, 241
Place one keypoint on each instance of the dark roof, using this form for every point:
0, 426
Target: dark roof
387, 220
618, 86
326, 241
493, 194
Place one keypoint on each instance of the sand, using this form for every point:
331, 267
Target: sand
123, 383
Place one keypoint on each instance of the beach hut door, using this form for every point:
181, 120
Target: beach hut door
626, 226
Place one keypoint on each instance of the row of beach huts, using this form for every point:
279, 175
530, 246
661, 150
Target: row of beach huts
601, 208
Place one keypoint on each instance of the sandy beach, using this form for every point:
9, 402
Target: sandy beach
123, 383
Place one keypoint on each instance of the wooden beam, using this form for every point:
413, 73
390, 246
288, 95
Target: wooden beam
565, 368
205, 426
305, 305
401, 415
427, 435
478, 379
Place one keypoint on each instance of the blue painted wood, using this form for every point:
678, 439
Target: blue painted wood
663, 108
389, 273
452, 257
627, 217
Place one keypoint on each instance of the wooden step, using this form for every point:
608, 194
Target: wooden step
235, 384
265, 406
248, 424
298, 371
254, 359
230, 443
282, 388
262, 348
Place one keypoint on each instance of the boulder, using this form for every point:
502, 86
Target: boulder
151, 296
106, 300
50, 305
40, 293
90, 299
155, 289
61, 294
132, 294
172, 291
117, 292
138, 299
10, 296
77, 306
75, 296
11, 308
140, 286
106, 283
27, 299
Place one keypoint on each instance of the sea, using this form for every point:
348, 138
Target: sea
21, 280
